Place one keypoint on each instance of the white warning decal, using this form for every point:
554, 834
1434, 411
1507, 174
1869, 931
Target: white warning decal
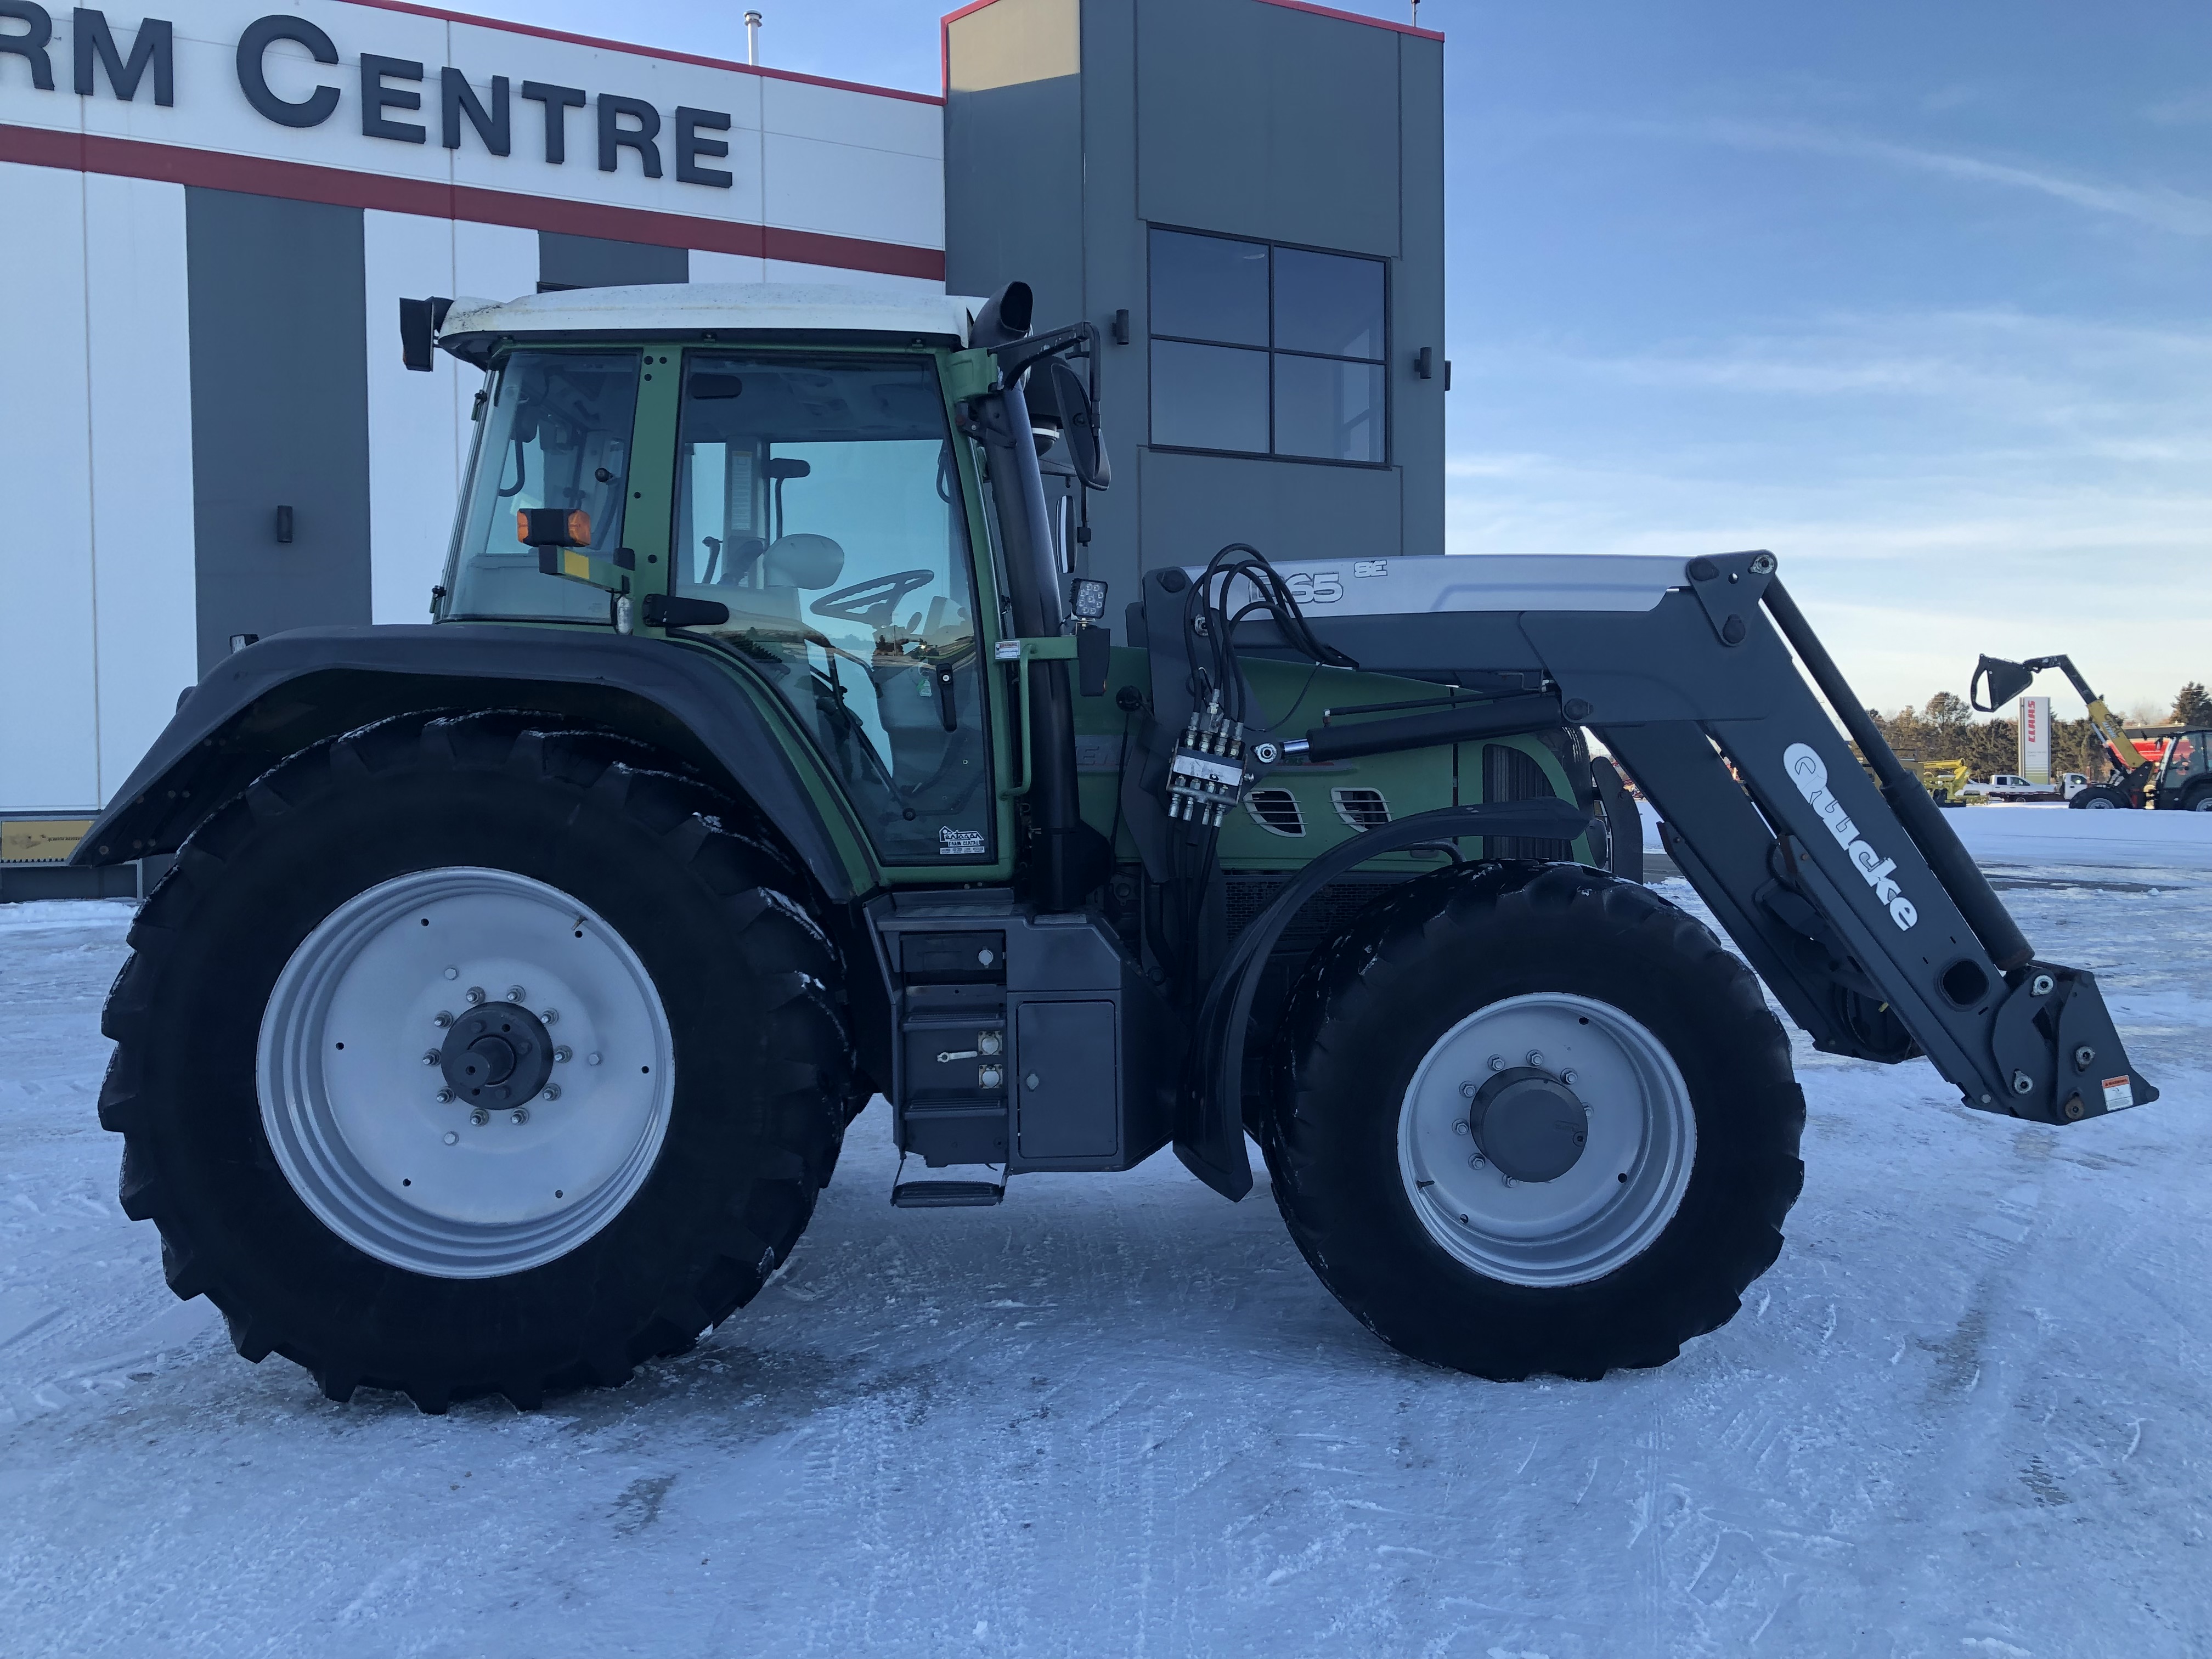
1810, 773
953, 843
2119, 1093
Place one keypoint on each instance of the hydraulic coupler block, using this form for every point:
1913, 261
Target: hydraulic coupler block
1207, 776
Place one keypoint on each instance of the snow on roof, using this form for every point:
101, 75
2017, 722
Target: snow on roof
692, 308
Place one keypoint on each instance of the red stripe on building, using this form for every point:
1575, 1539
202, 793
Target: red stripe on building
474, 21
300, 181
944, 29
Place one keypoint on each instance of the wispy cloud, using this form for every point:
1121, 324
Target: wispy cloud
1938, 483
2189, 109
2155, 206
2095, 382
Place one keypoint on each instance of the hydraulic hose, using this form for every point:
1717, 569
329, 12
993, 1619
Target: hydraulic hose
1923, 822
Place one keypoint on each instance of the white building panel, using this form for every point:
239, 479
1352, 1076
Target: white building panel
854, 163
842, 190
710, 267
412, 432
841, 115
138, 365
419, 425
793, 270
49, 736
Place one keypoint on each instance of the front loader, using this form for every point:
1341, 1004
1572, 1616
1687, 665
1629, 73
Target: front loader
519, 975
2177, 779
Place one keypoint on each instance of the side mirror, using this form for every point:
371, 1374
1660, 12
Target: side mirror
1069, 398
419, 323
2004, 682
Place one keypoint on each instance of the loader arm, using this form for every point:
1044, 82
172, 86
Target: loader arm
1857, 905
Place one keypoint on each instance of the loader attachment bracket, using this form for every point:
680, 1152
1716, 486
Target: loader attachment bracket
2056, 1047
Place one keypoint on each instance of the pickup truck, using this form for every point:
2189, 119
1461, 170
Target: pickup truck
2005, 786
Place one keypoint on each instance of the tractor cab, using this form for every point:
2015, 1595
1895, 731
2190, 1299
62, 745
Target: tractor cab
775, 473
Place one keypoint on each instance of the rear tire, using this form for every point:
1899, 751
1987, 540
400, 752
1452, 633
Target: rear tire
275, 1173
1672, 1206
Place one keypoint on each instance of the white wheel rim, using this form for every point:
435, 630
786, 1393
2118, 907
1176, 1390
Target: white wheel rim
1619, 1194
2097, 803
352, 1110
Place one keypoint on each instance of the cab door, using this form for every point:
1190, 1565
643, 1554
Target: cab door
818, 499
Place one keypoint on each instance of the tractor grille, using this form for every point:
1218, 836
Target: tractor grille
1327, 914
1363, 809
1276, 811
1513, 774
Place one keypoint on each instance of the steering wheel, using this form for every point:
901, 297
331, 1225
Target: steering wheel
872, 602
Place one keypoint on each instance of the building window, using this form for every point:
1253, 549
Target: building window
1259, 349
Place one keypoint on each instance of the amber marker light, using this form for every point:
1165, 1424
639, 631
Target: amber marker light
547, 526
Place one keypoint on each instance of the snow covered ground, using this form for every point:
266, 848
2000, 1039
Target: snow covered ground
1969, 1413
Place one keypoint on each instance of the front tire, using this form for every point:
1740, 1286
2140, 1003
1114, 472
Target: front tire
1580, 1030
355, 1059
2100, 798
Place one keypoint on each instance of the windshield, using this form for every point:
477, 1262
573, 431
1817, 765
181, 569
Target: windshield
819, 499
556, 432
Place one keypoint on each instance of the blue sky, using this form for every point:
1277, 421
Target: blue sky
1919, 296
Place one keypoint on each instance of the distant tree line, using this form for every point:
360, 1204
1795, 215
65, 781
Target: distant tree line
1944, 729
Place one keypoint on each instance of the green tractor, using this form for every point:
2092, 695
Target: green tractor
517, 975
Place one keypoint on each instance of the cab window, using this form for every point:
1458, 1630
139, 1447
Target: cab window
555, 432
818, 499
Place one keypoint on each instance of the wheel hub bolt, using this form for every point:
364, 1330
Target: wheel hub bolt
562, 1056
1467, 1092
1459, 1125
1476, 1162
517, 994
552, 1091
430, 1057
1507, 1179
590, 1059
479, 1117
1567, 1076
1498, 1063
1535, 1056
444, 1096
551, 1016
476, 994
518, 1116
441, 1019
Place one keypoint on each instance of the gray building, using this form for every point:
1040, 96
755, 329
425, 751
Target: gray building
1246, 198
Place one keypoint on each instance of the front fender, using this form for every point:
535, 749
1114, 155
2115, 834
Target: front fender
270, 700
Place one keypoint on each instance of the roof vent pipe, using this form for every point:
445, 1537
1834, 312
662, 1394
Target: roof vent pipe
753, 38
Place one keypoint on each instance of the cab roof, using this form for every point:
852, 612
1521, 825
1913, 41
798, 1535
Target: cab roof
757, 311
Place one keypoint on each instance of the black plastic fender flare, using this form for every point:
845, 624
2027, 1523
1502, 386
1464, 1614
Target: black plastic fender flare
273, 698
1211, 1144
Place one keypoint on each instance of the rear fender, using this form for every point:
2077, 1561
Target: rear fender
292, 689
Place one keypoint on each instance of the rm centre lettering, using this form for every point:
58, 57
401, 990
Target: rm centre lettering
386, 85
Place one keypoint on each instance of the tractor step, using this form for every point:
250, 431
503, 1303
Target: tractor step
945, 1194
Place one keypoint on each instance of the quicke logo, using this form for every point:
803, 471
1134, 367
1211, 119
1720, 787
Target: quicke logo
1810, 773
